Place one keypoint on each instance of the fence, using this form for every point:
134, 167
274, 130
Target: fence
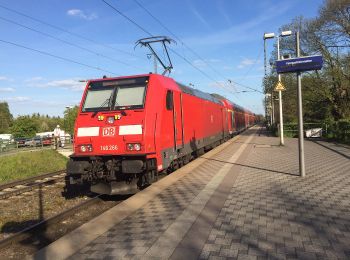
23, 144
339, 130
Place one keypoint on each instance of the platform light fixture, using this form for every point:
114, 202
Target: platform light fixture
269, 36
286, 33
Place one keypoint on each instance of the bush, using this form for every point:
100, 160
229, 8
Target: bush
342, 130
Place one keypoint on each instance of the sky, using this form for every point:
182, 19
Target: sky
219, 45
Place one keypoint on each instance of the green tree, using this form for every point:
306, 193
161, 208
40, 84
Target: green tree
326, 93
6, 118
24, 126
70, 115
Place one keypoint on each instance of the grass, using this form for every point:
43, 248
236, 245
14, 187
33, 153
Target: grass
27, 164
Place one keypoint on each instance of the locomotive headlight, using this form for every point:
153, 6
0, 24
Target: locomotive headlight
137, 147
110, 120
89, 147
130, 147
86, 148
133, 147
83, 148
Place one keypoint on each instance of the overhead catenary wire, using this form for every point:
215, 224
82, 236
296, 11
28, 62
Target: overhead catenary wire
190, 49
151, 35
203, 73
127, 18
58, 57
68, 43
67, 31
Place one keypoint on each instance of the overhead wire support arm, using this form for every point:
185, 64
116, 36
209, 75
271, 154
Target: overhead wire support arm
147, 42
172, 50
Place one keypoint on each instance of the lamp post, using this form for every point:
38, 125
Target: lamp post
68, 108
283, 34
266, 37
300, 114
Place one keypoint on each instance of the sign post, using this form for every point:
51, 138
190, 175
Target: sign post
298, 65
279, 87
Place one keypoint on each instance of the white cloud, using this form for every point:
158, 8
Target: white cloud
177, 71
70, 84
34, 79
246, 62
214, 60
16, 99
199, 63
215, 84
48, 103
81, 14
227, 67
4, 78
7, 89
239, 78
204, 63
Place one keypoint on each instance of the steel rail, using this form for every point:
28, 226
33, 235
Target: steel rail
47, 223
29, 184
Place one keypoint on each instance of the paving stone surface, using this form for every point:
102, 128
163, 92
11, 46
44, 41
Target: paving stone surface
271, 213
268, 212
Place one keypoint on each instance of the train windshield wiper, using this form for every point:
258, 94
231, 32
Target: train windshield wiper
102, 105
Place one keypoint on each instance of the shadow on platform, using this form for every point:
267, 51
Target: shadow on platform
249, 166
333, 150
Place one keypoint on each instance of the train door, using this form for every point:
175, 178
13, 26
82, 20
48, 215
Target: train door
233, 121
178, 120
224, 122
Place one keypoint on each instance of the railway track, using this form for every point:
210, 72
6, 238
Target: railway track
17, 187
47, 224
33, 238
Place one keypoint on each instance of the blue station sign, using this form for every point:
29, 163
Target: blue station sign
299, 64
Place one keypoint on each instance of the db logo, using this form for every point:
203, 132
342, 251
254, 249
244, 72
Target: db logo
108, 131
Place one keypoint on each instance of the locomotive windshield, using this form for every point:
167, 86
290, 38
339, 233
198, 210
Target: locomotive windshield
98, 98
130, 96
117, 94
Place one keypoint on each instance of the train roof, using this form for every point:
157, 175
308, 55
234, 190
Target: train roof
216, 98
238, 107
105, 78
198, 93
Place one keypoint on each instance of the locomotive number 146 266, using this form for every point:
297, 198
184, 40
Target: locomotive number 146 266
111, 147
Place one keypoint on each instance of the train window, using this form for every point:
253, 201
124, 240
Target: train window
169, 100
130, 96
98, 99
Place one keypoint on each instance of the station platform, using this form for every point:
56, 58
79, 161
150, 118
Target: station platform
241, 200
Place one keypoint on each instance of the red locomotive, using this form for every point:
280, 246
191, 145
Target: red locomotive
130, 128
